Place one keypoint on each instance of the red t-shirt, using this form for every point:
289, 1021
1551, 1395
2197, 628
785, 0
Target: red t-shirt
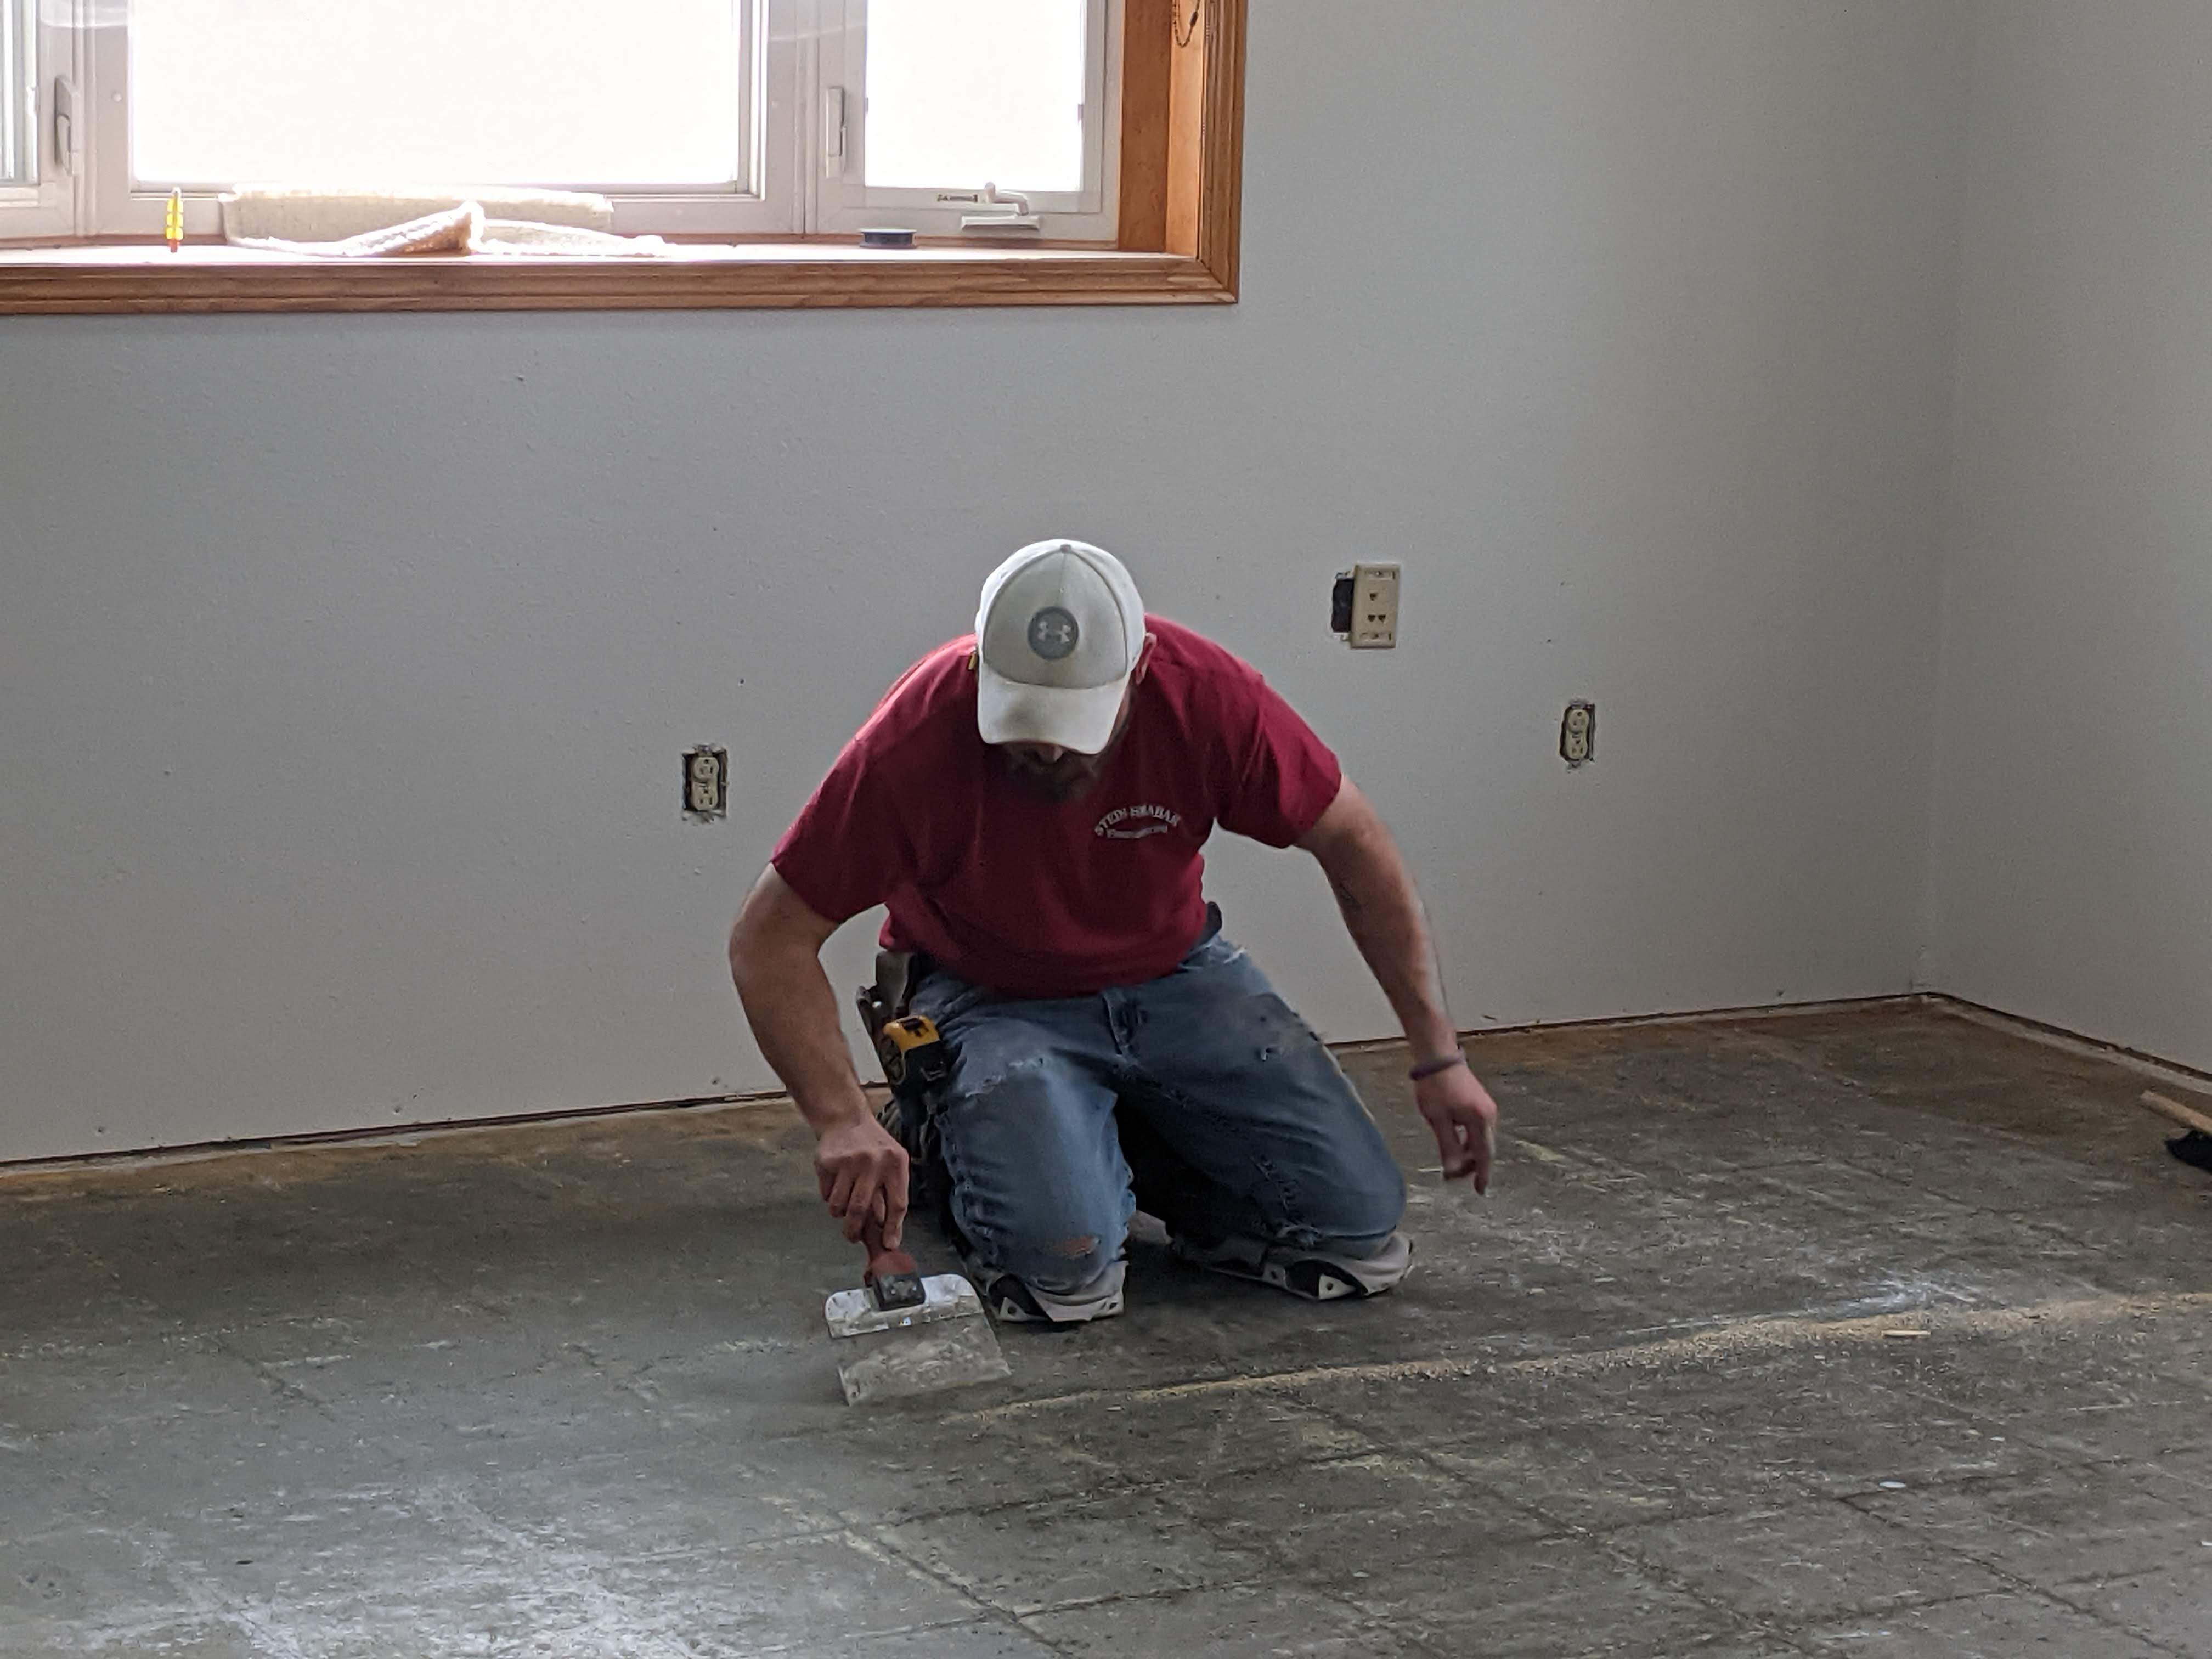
1042, 898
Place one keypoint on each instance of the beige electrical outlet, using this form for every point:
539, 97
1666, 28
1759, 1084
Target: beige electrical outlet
706, 783
1374, 607
1578, 734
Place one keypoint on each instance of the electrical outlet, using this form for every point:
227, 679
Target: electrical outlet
1578, 734
706, 783
1374, 607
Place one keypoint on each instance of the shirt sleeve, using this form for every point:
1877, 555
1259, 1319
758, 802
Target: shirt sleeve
1284, 777
845, 852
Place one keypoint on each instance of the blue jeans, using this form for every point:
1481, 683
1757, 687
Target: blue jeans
1238, 1117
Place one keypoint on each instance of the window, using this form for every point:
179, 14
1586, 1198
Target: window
34, 196
1017, 139
672, 108
925, 103
690, 115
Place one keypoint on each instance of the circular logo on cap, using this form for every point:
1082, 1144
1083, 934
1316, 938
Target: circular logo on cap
1053, 633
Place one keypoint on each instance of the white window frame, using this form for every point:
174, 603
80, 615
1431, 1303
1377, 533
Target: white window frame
47, 204
841, 202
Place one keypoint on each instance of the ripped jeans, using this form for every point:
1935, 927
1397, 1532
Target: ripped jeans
1237, 1120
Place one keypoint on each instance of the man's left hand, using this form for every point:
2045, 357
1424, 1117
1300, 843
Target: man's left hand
1464, 1119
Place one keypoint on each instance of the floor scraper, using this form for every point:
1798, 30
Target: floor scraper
900, 1333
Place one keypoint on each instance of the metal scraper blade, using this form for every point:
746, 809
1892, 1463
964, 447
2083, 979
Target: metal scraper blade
944, 1342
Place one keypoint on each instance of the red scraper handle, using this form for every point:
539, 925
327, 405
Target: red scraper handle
892, 1279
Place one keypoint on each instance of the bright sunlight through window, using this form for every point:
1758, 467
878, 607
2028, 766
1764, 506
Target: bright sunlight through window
964, 93
723, 121
500, 91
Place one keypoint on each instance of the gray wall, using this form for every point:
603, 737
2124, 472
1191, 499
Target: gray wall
344, 661
2073, 873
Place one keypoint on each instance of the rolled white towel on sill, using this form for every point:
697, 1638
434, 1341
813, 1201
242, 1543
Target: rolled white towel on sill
523, 238
261, 214
464, 230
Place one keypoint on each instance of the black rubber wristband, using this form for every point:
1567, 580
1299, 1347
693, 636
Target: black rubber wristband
1428, 1068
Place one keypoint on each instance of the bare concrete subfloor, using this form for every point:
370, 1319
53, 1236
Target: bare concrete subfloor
1866, 1332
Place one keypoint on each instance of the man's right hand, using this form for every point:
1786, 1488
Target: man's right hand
775, 960
862, 1173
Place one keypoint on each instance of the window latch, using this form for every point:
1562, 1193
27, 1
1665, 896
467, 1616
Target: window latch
1014, 217
64, 122
833, 132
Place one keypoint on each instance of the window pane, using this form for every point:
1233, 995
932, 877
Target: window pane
412, 92
17, 152
965, 93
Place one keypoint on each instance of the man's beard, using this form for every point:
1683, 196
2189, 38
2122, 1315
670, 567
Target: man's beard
1069, 778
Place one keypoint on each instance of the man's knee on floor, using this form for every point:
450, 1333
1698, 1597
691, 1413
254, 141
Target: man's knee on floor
1048, 1207
1363, 1214
1068, 1265
1060, 1262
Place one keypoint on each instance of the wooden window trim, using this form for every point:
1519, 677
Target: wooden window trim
1181, 190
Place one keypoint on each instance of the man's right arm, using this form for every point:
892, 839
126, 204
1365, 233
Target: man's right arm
775, 960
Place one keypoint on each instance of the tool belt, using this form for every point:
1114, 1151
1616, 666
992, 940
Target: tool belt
915, 1063
911, 1052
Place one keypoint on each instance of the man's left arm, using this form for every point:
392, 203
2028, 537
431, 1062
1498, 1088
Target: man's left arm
1375, 893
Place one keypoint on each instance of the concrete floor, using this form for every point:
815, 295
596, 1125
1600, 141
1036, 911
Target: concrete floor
1878, 1332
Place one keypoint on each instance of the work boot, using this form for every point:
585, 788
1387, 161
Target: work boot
1316, 1275
1013, 1302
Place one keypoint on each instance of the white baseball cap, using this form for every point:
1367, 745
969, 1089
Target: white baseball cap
1059, 631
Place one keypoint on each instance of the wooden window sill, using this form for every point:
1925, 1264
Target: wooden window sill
106, 278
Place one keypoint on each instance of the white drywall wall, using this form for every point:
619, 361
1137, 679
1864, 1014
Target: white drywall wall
345, 661
2073, 873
